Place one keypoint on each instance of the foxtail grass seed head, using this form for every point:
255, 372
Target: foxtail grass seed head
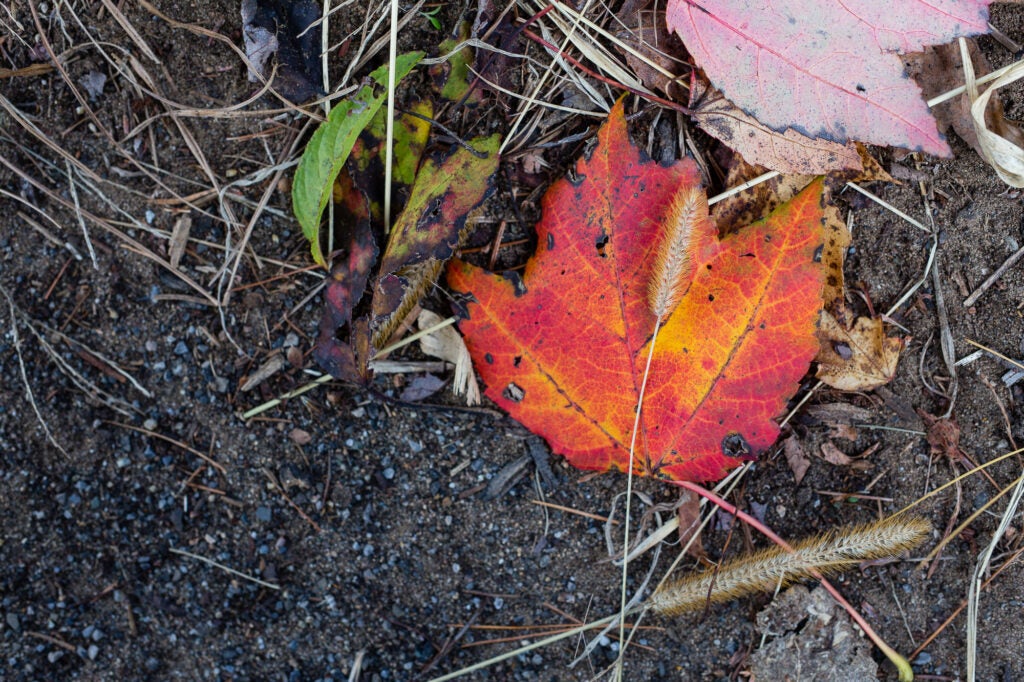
675, 253
769, 569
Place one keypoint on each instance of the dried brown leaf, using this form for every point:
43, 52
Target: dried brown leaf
788, 152
645, 31
689, 526
860, 358
796, 458
939, 69
833, 455
844, 431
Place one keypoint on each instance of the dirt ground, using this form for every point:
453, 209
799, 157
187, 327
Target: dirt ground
357, 520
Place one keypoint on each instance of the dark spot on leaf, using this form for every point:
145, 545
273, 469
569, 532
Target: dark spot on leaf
833, 281
861, 88
817, 253
600, 243
735, 445
767, 237
513, 393
709, 266
551, 241
842, 350
711, 297
762, 326
517, 359
489, 358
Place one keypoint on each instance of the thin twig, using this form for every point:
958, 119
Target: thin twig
24, 374
994, 277
228, 569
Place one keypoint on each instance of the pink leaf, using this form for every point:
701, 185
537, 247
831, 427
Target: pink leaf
826, 69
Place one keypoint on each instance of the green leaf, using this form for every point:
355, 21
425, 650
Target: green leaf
452, 77
330, 146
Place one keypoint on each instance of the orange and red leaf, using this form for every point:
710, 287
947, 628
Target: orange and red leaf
563, 349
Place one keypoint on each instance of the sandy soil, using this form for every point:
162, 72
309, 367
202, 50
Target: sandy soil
361, 517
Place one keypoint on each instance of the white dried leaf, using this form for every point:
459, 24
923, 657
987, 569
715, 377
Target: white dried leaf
447, 344
999, 148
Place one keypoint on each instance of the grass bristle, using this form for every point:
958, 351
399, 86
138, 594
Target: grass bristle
766, 570
675, 254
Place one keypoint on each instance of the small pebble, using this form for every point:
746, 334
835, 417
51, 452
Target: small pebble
263, 514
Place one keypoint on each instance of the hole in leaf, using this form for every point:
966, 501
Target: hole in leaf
735, 445
513, 393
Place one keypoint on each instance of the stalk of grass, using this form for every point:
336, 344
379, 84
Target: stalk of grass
669, 281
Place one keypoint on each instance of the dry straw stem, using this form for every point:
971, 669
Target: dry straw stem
772, 568
668, 283
980, 570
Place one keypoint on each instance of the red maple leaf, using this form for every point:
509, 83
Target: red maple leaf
563, 349
826, 69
